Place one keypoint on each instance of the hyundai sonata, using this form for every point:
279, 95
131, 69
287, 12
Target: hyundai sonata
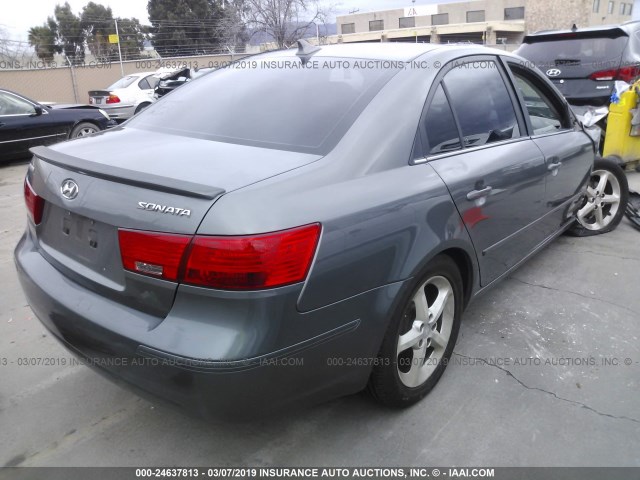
303, 224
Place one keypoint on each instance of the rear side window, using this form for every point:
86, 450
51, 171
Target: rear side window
439, 126
542, 108
144, 84
271, 102
481, 103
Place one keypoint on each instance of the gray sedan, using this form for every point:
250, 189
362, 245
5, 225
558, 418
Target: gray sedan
304, 224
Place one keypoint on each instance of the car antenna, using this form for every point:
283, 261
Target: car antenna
305, 50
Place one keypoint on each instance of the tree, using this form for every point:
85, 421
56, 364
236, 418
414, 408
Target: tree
71, 35
132, 37
286, 21
97, 23
185, 27
43, 40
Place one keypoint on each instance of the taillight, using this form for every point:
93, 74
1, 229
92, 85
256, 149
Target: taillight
250, 262
626, 74
113, 99
35, 203
154, 254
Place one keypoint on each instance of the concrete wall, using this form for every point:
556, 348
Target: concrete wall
66, 85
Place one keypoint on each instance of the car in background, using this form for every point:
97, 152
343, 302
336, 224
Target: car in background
584, 63
171, 80
25, 123
265, 238
127, 96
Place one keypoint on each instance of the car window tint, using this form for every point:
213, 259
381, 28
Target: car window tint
260, 103
482, 103
439, 125
544, 115
12, 105
144, 84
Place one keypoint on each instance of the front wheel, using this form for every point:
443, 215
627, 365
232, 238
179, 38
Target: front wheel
420, 339
605, 201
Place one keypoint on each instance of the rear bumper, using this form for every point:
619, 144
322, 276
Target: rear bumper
133, 350
122, 112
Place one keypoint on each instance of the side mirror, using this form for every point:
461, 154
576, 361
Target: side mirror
38, 110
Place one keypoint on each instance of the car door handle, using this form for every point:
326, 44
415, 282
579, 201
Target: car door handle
476, 194
554, 166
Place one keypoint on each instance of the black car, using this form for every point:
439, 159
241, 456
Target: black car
25, 123
584, 63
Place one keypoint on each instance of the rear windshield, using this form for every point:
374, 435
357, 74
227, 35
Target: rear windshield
271, 102
599, 53
124, 82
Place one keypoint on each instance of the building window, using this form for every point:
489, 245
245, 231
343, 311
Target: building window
611, 7
514, 13
376, 25
440, 19
623, 8
475, 16
348, 28
596, 6
407, 22
630, 9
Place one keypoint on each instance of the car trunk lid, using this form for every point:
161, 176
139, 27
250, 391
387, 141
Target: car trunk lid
166, 184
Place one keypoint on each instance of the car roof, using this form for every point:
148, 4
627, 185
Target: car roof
386, 51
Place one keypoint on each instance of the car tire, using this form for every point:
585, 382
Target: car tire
417, 347
141, 107
607, 195
83, 129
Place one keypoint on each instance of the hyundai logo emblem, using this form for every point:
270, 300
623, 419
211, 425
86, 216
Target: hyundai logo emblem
69, 189
553, 72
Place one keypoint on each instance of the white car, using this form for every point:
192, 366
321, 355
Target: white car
127, 96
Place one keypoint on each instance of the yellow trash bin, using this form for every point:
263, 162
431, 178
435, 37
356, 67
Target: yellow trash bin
621, 138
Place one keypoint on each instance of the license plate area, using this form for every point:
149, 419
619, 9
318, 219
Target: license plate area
82, 244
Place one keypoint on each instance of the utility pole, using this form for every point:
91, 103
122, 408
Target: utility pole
119, 50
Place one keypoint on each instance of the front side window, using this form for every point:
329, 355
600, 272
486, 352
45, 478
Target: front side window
439, 126
482, 103
544, 112
12, 105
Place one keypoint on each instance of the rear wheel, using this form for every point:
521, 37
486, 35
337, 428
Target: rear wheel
83, 129
420, 338
607, 195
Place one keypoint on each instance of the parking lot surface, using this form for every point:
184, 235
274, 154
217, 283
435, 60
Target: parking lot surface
546, 372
